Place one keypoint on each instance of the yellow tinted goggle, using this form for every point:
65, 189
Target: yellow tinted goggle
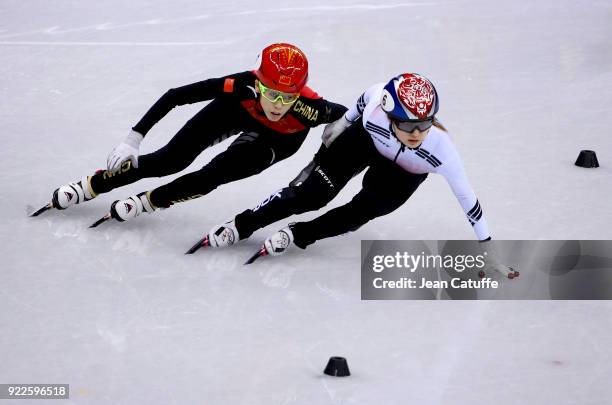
275, 95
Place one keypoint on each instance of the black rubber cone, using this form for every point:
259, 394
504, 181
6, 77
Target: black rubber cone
337, 367
587, 158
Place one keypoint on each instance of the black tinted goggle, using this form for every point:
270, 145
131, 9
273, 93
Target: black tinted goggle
410, 126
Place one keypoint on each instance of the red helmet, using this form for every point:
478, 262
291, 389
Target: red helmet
283, 67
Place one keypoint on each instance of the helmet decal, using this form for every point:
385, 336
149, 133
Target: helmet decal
283, 67
387, 101
286, 80
409, 97
417, 94
288, 61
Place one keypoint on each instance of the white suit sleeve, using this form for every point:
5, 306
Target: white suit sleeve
457, 180
356, 110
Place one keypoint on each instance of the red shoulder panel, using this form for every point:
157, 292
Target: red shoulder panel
307, 92
228, 85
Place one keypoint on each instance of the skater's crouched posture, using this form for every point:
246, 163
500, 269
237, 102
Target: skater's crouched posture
270, 109
393, 132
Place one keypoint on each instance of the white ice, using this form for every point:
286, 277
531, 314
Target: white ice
124, 317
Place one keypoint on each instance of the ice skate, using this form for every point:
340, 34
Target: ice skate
124, 210
68, 195
222, 235
275, 245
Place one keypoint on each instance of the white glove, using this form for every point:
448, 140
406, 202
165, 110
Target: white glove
506, 271
334, 129
126, 150
492, 263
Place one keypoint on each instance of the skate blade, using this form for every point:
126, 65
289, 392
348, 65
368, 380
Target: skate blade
260, 253
101, 220
39, 211
201, 243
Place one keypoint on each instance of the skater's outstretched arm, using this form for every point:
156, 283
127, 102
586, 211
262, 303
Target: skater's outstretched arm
232, 85
455, 176
239, 84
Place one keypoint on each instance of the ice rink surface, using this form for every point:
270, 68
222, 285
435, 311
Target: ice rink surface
124, 317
